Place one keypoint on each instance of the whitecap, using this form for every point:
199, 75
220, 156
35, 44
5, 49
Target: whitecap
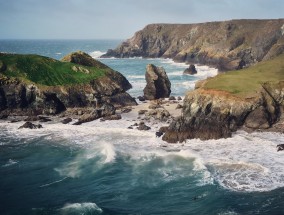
10, 163
96, 54
81, 208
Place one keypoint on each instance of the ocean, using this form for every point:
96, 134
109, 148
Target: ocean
105, 168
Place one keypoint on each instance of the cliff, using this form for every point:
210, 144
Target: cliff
251, 98
227, 45
32, 84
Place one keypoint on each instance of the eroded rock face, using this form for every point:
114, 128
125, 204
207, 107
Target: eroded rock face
158, 84
209, 114
227, 45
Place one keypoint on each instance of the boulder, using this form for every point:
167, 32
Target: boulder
30, 126
113, 117
141, 98
158, 84
258, 119
172, 98
143, 127
107, 110
66, 120
191, 70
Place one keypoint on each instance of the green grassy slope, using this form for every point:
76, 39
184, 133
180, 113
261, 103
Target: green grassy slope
248, 81
46, 71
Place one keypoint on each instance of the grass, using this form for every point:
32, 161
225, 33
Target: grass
247, 82
46, 71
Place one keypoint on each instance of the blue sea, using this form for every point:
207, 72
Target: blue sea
105, 168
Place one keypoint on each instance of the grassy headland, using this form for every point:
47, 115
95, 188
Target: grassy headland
46, 71
247, 82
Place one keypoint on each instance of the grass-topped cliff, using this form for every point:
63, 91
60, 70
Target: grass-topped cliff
249, 81
46, 71
35, 84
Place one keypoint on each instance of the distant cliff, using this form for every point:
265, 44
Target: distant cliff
228, 45
32, 84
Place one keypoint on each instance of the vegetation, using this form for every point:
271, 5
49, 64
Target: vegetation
46, 71
248, 81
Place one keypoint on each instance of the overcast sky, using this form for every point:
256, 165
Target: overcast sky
119, 19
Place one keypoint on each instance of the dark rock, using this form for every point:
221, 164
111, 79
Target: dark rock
96, 114
130, 127
113, 117
191, 70
120, 100
140, 112
202, 128
141, 98
143, 127
172, 98
163, 129
15, 120
159, 134
280, 147
66, 120
258, 119
44, 119
107, 110
179, 98
32, 118
126, 110
158, 84
30, 126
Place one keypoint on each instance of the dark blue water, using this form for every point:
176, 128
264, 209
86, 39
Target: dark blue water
104, 168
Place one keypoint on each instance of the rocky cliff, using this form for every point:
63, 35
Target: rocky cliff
228, 45
31, 84
252, 98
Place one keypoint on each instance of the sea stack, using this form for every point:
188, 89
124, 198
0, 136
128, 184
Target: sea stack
158, 83
191, 70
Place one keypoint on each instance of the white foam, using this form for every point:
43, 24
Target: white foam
81, 208
10, 163
246, 162
54, 182
96, 54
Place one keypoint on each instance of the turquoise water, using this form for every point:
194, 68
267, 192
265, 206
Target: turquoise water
105, 168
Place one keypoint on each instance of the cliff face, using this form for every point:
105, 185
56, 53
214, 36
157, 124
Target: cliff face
209, 114
20, 95
228, 45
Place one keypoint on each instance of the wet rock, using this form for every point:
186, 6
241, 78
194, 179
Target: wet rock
191, 70
280, 147
159, 134
141, 98
130, 127
32, 118
30, 126
113, 117
172, 98
158, 84
44, 119
126, 110
66, 120
179, 98
143, 127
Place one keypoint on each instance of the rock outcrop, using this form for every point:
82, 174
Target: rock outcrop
158, 83
23, 96
227, 45
191, 70
210, 114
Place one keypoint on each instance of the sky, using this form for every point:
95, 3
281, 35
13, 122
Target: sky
119, 19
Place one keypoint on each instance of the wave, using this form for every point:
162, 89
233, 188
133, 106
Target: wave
81, 208
55, 182
96, 54
10, 163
